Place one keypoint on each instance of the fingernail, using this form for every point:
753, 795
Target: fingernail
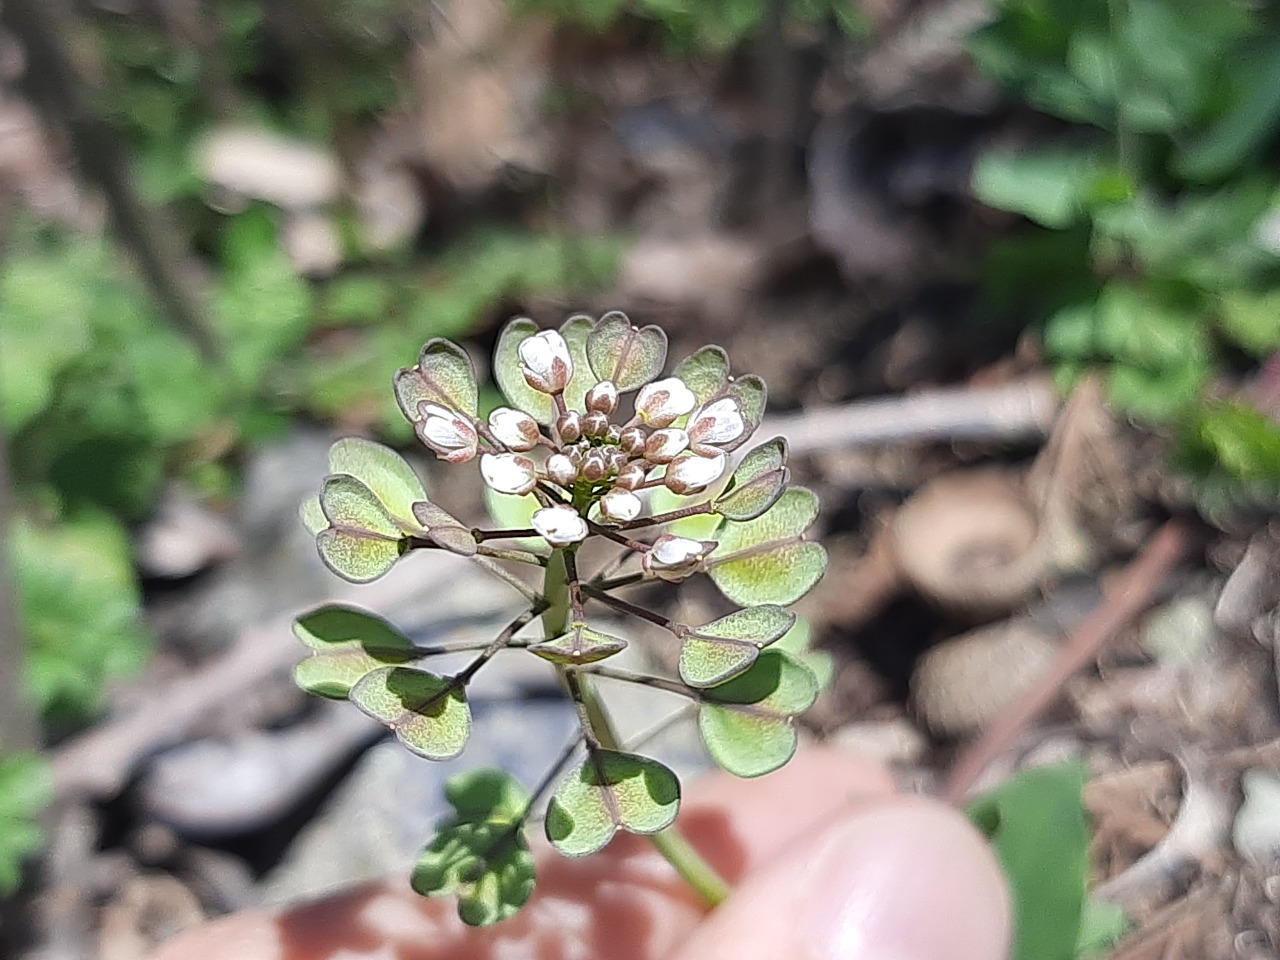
907, 882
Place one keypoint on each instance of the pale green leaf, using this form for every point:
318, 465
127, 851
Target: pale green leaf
427, 713
757, 483
346, 644
752, 396
312, 515
746, 722
575, 331
362, 542
444, 529
579, 645
628, 356
444, 375
386, 473
766, 560
705, 372
719, 650
607, 792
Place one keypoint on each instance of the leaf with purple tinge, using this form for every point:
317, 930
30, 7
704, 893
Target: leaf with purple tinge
724, 648
444, 375
362, 541
628, 356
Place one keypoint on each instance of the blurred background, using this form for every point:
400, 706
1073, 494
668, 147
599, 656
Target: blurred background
998, 261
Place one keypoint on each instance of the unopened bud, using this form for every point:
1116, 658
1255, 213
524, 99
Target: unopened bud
570, 426
515, 429
661, 403
621, 506
602, 398
546, 362
595, 425
675, 558
665, 445
631, 476
560, 469
694, 473
594, 467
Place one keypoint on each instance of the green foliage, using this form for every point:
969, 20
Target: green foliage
1036, 823
25, 788
610, 791
79, 607
766, 560
724, 648
480, 854
711, 26
429, 714
1159, 276
346, 644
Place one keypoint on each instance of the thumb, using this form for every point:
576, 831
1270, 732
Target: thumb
908, 879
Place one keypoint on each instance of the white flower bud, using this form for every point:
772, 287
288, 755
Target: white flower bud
546, 362
595, 425
675, 558
570, 426
560, 525
661, 403
594, 466
716, 423
631, 476
665, 445
508, 473
621, 506
515, 429
693, 473
632, 440
449, 434
561, 470
602, 398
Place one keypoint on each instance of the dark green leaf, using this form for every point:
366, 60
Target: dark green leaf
427, 713
346, 644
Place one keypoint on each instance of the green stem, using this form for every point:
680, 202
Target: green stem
670, 843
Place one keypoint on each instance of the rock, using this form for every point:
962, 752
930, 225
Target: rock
184, 537
713, 272
1180, 633
894, 741
1256, 832
961, 685
260, 165
311, 240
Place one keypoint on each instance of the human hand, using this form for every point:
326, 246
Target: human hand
826, 862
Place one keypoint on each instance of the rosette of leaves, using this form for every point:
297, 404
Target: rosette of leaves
595, 446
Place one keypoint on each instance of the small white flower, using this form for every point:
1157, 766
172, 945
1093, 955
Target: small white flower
602, 398
661, 403
693, 473
514, 428
665, 445
508, 473
560, 525
546, 362
449, 434
716, 423
621, 506
675, 558
560, 469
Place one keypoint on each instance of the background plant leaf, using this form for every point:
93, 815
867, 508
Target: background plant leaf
26, 786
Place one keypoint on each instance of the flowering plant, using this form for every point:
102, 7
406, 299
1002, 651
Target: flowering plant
592, 468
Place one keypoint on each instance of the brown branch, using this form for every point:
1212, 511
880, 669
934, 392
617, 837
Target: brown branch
1132, 595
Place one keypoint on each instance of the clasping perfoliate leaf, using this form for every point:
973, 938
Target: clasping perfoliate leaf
747, 722
361, 541
767, 560
607, 792
480, 853
444, 530
626, 355
444, 376
757, 484
427, 713
724, 648
388, 476
579, 645
346, 644
705, 372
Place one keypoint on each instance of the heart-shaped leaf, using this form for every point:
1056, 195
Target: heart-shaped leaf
575, 331
607, 792
444, 529
766, 560
752, 395
480, 853
746, 722
427, 713
444, 375
798, 642
361, 542
757, 483
507, 371
580, 645
628, 356
724, 648
346, 643
705, 372
384, 472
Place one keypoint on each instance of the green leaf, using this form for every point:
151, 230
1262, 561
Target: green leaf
705, 372
757, 483
386, 473
798, 642
746, 722
1044, 186
765, 560
1252, 319
1036, 823
627, 355
752, 395
700, 526
1102, 924
427, 713
609, 791
480, 854
26, 786
362, 542
507, 371
346, 644
579, 645
444, 375
724, 648
444, 529
312, 515
1237, 132
514, 513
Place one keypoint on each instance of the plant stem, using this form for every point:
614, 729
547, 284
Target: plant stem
670, 843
